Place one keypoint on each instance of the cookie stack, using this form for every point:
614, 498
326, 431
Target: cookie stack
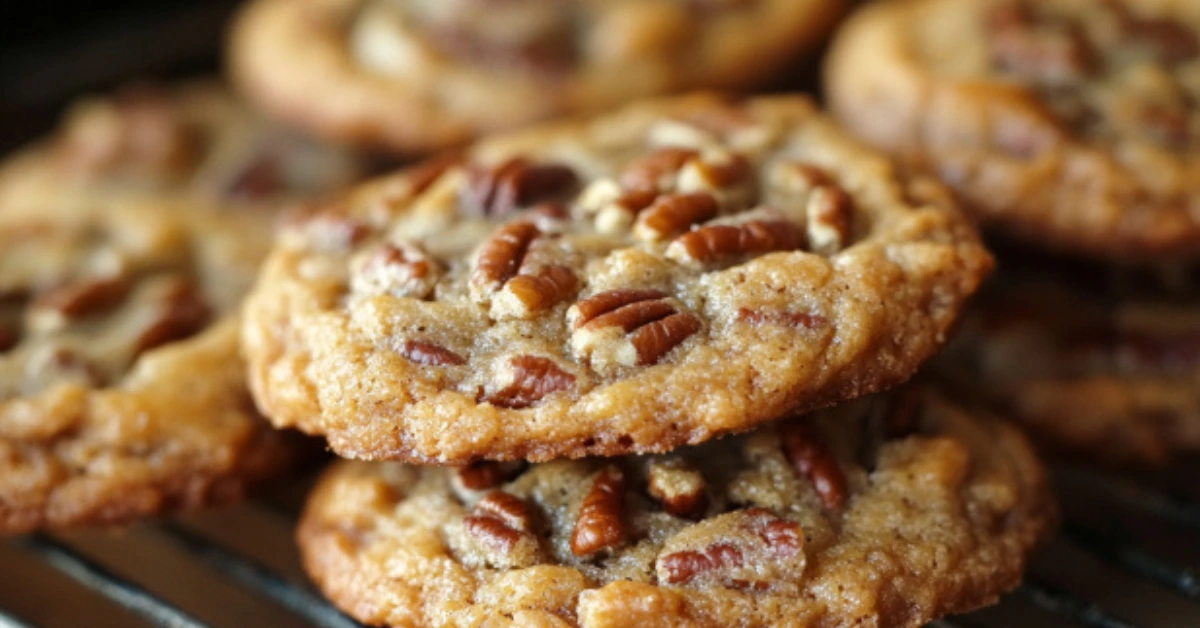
574, 314
1068, 126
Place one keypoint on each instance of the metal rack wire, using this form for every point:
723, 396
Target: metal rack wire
1046, 598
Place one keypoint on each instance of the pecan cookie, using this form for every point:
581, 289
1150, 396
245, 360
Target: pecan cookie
193, 141
122, 392
411, 76
1111, 377
1071, 123
887, 511
658, 276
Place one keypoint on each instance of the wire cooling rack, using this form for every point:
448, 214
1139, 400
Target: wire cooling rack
1126, 557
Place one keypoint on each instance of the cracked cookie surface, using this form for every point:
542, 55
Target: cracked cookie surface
122, 392
412, 76
658, 276
1071, 123
890, 511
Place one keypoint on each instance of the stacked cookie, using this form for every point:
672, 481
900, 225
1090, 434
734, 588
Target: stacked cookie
1071, 126
574, 314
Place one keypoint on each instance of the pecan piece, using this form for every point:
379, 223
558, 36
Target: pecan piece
183, 311
777, 317
1049, 54
751, 549
485, 474
651, 325
679, 487
530, 378
516, 183
500, 527
84, 297
808, 456
500, 256
655, 173
716, 243
429, 354
671, 215
400, 269
599, 525
830, 218
525, 295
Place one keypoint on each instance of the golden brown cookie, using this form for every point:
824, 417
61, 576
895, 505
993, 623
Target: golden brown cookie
122, 392
1089, 370
411, 76
1071, 123
654, 277
889, 511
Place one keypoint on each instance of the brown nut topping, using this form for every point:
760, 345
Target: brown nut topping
654, 340
84, 297
502, 524
655, 173
716, 243
401, 270
672, 215
599, 526
525, 295
803, 449
590, 308
777, 317
830, 216
506, 508
752, 549
486, 474
516, 183
429, 354
530, 378
183, 312
500, 257
683, 567
653, 326
679, 487
492, 533
1047, 54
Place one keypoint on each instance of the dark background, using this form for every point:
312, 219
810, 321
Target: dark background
52, 51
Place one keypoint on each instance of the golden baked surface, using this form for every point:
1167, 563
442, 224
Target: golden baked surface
412, 76
126, 244
1072, 123
655, 277
887, 511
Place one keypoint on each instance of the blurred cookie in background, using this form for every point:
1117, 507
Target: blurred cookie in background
413, 76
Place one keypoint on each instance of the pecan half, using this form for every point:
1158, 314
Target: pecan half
500, 257
399, 269
679, 487
674, 214
751, 549
526, 295
830, 219
516, 183
808, 456
649, 327
599, 525
655, 173
429, 354
182, 312
713, 173
500, 527
530, 378
507, 508
486, 474
718, 243
84, 297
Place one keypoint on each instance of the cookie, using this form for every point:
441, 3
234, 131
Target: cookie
1092, 372
415, 76
888, 511
658, 276
122, 392
1074, 124
193, 142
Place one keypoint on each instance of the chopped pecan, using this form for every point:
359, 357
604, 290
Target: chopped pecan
750, 549
485, 474
502, 524
1047, 53
830, 218
492, 533
679, 487
777, 317
530, 378
599, 525
507, 508
516, 183
400, 269
715, 243
808, 456
501, 255
86, 296
713, 172
182, 312
655, 173
654, 326
525, 295
429, 354
674, 214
